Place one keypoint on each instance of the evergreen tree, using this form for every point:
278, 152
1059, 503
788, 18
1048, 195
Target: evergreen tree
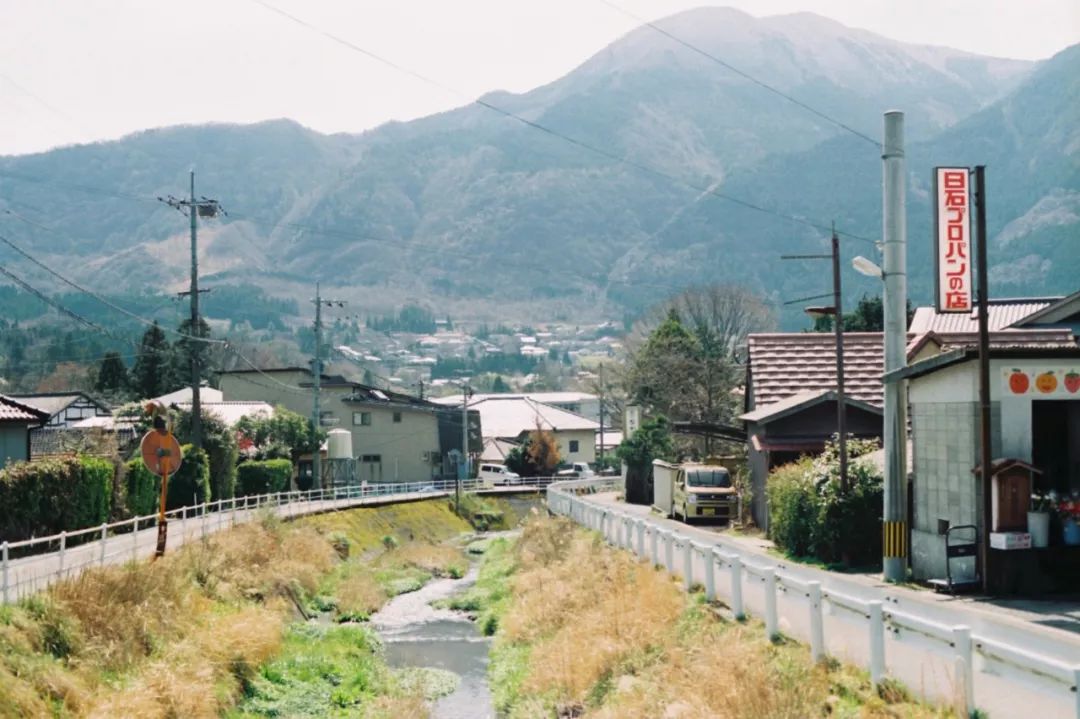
112, 376
185, 349
152, 374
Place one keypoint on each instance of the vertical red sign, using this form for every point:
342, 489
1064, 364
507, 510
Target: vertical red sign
952, 239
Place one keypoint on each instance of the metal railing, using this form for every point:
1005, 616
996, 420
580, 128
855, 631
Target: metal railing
947, 653
31, 565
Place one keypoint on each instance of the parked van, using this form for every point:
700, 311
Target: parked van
496, 474
694, 491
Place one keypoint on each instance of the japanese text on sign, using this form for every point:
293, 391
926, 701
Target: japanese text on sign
953, 239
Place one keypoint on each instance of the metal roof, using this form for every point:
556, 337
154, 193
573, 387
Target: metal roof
783, 364
231, 412
509, 417
1001, 313
799, 401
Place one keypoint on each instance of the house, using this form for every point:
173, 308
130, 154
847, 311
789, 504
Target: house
1035, 421
790, 398
230, 412
65, 408
66, 430
395, 437
582, 403
16, 421
510, 418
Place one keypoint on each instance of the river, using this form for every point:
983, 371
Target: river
419, 635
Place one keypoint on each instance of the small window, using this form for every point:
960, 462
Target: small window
573, 445
397, 417
371, 458
361, 419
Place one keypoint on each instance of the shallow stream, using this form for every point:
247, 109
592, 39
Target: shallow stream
419, 635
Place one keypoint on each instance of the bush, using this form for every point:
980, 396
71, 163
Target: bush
49, 496
810, 516
189, 486
271, 475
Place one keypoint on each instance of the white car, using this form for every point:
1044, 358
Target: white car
497, 474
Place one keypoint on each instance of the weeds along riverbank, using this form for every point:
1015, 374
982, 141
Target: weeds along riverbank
584, 630
222, 626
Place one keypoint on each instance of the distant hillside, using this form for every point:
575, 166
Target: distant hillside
472, 208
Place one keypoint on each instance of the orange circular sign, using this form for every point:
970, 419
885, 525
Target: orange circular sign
160, 452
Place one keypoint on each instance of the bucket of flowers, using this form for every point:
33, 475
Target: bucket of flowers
1038, 518
1067, 509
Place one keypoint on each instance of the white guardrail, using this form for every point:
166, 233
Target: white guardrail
31, 565
958, 655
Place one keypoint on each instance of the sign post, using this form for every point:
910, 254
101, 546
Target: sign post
162, 455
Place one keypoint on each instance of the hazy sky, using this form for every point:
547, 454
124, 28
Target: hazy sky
80, 70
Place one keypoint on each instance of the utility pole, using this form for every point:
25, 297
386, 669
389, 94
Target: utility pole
894, 232
985, 458
316, 374
601, 462
841, 397
466, 393
195, 209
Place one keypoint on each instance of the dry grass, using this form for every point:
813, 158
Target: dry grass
604, 635
439, 560
359, 595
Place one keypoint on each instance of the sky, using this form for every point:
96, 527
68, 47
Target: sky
75, 71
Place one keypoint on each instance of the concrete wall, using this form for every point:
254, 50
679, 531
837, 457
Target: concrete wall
399, 446
586, 439
13, 443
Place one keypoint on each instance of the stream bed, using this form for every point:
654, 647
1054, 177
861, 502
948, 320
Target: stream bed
416, 634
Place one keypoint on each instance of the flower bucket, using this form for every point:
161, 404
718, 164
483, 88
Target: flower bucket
1071, 531
1038, 524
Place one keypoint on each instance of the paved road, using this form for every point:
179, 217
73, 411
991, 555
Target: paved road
924, 665
32, 574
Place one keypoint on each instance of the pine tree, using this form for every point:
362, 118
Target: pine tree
152, 374
112, 376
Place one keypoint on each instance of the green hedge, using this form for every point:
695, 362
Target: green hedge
189, 486
810, 517
270, 475
53, 495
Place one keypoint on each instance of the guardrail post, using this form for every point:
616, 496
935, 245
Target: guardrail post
641, 538
203, 519
817, 625
135, 539
183, 523
669, 551
877, 642
654, 548
772, 621
735, 562
687, 563
964, 677
63, 550
708, 561
232, 516
1075, 688
104, 541
4, 568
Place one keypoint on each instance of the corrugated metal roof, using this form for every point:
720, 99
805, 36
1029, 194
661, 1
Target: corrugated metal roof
785, 364
12, 410
231, 412
1001, 313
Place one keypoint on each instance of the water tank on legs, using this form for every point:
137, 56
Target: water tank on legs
340, 463
339, 444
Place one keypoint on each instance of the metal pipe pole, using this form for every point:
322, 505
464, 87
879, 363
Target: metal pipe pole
841, 403
193, 345
894, 229
985, 458
316, 415
464, 445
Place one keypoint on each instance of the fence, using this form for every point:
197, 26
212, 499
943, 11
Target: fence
946, 654
31, 565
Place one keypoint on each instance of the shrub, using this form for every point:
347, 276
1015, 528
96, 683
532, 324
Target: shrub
809, 515
54, 495
271, 475
143, 489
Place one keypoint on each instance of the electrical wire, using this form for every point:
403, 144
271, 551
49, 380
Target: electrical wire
745, 75
549, 131
51, 302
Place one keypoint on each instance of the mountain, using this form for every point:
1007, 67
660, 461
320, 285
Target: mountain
472, 209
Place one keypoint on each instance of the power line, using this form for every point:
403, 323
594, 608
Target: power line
51, 302
555, 133
101, 299
742, 74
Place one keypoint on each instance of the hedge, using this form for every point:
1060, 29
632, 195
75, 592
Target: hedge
189, 486
54, 495
263, 477
809, 516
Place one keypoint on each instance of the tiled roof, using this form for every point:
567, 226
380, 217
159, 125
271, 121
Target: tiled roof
784, 364
1001, 313
55, 403
11, 410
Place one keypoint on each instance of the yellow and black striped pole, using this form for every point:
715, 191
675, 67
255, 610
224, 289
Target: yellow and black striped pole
894, 539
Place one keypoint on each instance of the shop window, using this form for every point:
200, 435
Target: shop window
361, 419
1055, 444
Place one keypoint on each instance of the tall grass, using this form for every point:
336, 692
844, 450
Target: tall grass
591, 631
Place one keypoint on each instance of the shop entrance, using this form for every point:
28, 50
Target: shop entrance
1055, 444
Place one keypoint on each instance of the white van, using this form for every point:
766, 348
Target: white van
493, 474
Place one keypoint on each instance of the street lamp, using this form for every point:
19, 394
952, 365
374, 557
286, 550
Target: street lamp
865, 267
